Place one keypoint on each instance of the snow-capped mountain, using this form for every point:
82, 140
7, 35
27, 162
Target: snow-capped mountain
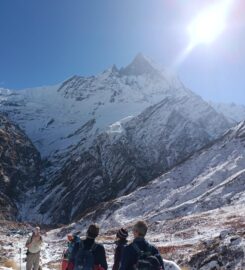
129, 154
210, 179
19, 167
127, 144
83, 157
233, 112
58, 117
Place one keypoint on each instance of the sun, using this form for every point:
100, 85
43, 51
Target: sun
209, 24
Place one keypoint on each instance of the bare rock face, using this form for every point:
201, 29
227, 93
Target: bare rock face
224, 252
19, 167
8, 209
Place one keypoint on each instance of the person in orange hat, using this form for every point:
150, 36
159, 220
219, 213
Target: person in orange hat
73, 241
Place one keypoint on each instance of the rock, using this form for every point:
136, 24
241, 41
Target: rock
211, 265
236, 240
224, 234
19, 167
225, 253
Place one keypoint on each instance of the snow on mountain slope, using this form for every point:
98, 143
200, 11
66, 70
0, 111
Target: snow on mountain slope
129, 154
210, 179
233, 112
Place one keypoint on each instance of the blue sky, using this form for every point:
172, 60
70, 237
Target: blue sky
44, 42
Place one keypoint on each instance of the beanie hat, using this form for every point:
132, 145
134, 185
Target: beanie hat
93, 231
122, 233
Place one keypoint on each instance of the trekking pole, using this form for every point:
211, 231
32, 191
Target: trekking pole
20, 258
61, 260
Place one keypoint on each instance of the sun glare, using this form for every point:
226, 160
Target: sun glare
208, 25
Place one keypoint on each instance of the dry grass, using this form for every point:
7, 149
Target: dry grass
54, 266
106, 238
185, 234
238, 224
171, 249
10, 264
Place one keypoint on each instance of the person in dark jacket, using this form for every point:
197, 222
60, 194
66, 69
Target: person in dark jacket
121, 242
89, 244
130, 255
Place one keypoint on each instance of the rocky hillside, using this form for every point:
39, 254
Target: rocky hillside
129, 154
19, 167
195, 211
223, 252
210, 179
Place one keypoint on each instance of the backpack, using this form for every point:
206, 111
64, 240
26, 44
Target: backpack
146, 260
85, 258
67, 253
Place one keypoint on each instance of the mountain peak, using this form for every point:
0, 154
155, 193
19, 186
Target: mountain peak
112, 69
140, 65
140, 57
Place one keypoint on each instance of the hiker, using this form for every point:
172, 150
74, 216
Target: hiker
68, 261
33, 245
121, 242
140, 254
91, 255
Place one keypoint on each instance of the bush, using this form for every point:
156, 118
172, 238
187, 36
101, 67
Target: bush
10, 264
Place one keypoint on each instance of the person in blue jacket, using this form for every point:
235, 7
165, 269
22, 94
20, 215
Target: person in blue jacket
130, 254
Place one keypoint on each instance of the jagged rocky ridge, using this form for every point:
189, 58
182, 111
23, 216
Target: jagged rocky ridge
19, 167
57, 118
